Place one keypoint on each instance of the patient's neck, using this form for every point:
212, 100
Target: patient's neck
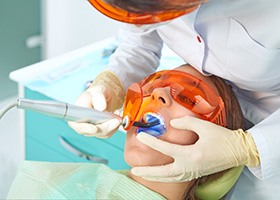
168, 190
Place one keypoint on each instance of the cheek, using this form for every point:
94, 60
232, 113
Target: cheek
181, 137
176, 136
138, 157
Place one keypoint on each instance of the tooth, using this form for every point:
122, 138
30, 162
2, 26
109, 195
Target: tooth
149, 117
145, 119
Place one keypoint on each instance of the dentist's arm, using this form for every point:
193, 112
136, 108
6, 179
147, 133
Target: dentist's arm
217, 149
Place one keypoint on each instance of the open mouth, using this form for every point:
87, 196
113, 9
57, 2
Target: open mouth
156, 130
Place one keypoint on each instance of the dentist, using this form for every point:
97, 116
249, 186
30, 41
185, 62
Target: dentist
235, 40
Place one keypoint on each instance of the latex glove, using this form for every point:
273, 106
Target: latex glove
105, 93
217, 149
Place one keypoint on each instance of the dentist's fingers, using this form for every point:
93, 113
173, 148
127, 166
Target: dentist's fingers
187, 123
109, 128
83, 128
199, 126
164, 173
84, 100
153, 171
98, 98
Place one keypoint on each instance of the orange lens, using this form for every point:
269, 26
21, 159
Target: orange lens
136, 18
133, 102
185, 89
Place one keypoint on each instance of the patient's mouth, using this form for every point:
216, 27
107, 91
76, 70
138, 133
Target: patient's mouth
156, 130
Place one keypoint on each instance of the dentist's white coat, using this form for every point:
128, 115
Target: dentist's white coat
238, 40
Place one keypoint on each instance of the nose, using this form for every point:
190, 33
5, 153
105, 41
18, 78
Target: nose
162, 96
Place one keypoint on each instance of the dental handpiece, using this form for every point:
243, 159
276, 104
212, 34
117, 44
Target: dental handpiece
66, 111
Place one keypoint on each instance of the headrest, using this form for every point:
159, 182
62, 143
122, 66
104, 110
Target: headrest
217, 188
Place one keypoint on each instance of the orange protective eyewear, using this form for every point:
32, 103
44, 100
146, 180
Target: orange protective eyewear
140, 18
185, 89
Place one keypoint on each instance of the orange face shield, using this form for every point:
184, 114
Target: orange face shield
143, 17
187, 90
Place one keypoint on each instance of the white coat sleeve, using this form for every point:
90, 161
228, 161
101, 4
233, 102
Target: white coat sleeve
267, 138
137, 55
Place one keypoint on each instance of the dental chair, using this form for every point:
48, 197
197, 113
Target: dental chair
46, 180
218, 188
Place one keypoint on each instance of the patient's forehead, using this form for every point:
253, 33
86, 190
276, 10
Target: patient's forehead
189, 69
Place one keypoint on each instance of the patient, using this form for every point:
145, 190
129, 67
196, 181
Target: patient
39, 180
161, 101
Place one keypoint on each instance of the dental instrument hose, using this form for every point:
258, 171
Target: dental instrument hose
6, 109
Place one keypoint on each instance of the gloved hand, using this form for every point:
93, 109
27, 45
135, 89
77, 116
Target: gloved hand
105, 93
217, 149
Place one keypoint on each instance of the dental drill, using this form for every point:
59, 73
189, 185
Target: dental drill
69, 112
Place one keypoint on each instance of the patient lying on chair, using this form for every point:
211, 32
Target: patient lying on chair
173, 98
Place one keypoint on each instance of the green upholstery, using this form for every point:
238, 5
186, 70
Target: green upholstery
216, 189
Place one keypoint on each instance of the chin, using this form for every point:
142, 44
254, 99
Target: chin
136, 156
139, 154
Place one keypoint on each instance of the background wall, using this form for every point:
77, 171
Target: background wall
32, 30
19, 20
70, 24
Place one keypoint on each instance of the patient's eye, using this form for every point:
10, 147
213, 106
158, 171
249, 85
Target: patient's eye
185, 100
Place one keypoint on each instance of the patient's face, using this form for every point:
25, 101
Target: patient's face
161, 102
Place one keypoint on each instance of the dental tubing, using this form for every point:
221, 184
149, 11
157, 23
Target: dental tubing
6, 109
